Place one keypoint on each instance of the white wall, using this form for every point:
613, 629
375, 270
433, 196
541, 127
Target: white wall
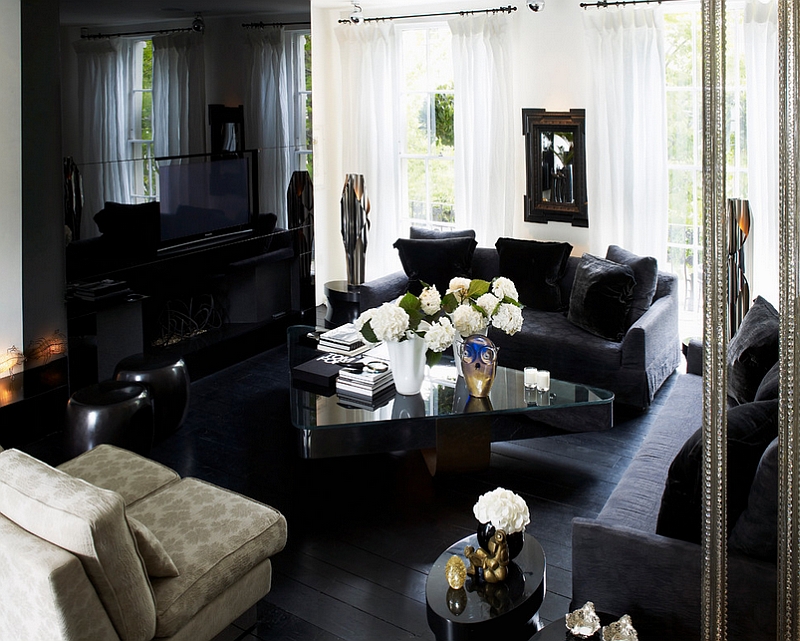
10, 178
549, 59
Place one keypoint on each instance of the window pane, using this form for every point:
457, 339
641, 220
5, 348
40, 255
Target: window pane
306, 40
415, 63
417, 118
681, 197
443, 180
680, 127
443, 123
679, 58
440, 56
416, 188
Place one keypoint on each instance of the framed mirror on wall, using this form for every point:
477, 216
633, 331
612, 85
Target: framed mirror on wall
555, 163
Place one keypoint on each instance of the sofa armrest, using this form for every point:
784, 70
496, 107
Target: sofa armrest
382, 290
657, 580
694, 356
654, 334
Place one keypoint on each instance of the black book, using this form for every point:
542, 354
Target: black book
321, 371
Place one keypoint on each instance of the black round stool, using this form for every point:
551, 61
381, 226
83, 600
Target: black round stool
168, 381
113, 412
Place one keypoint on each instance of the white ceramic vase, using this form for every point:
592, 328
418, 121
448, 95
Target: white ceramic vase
408, 364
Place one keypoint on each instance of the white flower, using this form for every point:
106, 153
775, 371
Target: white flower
468, 320
488, 303
503, 287
459, 287
508, 318
440, 335
503, 509
430, 301
363, 318
389, 322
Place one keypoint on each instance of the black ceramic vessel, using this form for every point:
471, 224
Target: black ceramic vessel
515, 541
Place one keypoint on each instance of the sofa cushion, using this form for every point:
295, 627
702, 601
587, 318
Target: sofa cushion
113, 468
214, 536
601, 297
423, 232
89, 522
751, 428
752, 351
645, 271
156, 560
756, 531
435, 261
769, 387
536, 267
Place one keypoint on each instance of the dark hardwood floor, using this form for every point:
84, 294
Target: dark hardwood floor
363, 531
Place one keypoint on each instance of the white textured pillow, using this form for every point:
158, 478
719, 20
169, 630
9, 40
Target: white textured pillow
89, 522
156, 559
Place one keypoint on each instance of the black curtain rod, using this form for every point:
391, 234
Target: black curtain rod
604, 4
98, 36
507, 9
264, 25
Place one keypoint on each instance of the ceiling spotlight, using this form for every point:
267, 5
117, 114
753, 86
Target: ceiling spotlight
197, 24
536, 7
358, 14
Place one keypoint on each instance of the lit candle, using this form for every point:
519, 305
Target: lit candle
543, 380
530, 377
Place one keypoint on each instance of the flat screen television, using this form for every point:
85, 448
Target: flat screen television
205, 200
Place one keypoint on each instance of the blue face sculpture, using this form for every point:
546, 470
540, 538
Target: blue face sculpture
479, 362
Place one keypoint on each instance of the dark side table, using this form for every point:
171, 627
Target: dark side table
507, 610
343, 300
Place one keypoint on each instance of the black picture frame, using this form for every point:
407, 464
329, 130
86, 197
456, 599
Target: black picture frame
555, 191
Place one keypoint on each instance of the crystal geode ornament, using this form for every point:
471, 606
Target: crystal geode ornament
456, 572
583, 622
621, 630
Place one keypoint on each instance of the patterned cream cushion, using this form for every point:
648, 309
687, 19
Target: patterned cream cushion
114, 468
214, 536
89, 522
155, 557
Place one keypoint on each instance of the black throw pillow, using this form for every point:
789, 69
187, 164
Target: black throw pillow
435, 261
536, 267
601, 297
769, 387
753, 350
132, 229
423, 232
751, 428
645, 271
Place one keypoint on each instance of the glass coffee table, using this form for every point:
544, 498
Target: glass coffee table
453, 430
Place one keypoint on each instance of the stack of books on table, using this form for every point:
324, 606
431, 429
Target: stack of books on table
367, 380
345, 339
101, 289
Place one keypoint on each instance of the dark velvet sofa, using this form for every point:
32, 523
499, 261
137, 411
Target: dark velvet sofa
633, 368
625, 563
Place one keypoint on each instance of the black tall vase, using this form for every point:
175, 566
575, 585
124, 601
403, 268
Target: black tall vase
515, 541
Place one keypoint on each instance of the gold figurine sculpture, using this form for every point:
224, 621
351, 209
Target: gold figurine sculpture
493, 562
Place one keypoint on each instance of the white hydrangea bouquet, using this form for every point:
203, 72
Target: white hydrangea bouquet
503, 509
476, 304
409, 316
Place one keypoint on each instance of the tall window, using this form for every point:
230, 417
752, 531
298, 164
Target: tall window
300, 90
685, 147
143, 172
426, 128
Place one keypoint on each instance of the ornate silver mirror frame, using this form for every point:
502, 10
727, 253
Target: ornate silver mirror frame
714, 578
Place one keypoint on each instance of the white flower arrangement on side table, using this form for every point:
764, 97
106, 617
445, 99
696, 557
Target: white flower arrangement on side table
476, 304
503, 509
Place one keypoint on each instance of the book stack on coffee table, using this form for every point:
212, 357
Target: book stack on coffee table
345, 339
367, 383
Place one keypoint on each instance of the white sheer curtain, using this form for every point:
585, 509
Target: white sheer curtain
179, 94
266, 115
369, 58
761, 65
103, 69
484, 126
626, 138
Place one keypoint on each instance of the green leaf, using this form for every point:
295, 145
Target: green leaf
368, 333
409, 303
449, 303
478, 288
432, 358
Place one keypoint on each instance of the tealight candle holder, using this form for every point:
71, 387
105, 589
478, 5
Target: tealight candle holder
543, 380
530, 377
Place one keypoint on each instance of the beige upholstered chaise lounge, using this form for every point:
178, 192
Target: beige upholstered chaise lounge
114, 546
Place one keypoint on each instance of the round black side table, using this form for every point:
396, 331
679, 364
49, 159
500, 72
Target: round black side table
343, 302
507, 610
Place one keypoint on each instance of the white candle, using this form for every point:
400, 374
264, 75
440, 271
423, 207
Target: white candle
543, 380
530, 376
